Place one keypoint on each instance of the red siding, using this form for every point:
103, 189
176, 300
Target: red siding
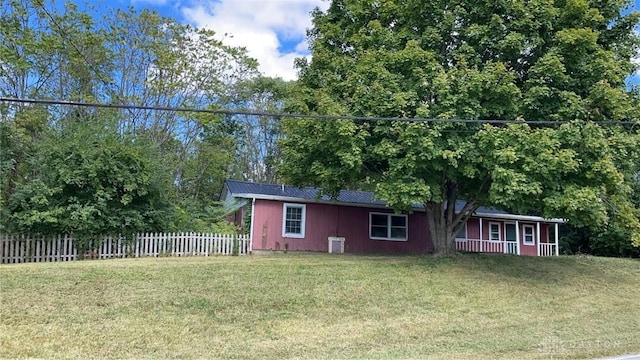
473, 228
324, 220
473, 232
352, 223
531, 250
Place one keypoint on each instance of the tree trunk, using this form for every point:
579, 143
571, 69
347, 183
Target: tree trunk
440, 229
444, 223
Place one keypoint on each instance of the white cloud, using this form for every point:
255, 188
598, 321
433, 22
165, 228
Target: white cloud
273, 31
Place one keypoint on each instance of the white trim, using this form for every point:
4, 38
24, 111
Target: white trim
253, 213
285, 234
537, 237
518, 235
481, 221
524, 235
381, 206
556, 235
520, 217
389, 222
515, 225
491, 223
313, 201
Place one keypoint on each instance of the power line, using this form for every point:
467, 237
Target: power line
287, 115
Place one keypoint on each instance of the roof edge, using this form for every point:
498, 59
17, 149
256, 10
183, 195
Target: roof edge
376, 206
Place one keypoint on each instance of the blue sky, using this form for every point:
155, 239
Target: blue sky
273, 31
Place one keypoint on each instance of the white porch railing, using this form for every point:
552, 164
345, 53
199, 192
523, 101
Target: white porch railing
476, 245
508, 247
511, 247
547, 249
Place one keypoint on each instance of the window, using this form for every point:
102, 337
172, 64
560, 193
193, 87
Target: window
527, 237
387, 227
510, 232
293, 219
494, 232
462, 233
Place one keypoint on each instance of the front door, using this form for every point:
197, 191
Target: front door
510, 239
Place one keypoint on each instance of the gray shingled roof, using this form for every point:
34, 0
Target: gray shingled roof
236, 187
243, 188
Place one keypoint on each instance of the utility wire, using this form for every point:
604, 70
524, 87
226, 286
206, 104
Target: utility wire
250, 112
290, 115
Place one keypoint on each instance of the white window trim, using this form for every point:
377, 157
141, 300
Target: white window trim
499, 231
285, 234
466, 233
389, 238
524, 235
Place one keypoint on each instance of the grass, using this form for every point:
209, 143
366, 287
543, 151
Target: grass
314, 306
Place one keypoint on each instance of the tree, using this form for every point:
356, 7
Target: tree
257, 152
541, 60
159, 62
128, 57
90, 182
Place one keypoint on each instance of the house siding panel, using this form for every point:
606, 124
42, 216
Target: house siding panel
473, 228
325, 220
529, 250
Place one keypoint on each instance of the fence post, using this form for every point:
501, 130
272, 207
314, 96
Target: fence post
18, 249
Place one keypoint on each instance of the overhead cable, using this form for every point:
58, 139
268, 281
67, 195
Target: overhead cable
291, 115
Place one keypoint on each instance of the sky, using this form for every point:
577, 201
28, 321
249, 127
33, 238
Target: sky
273, 31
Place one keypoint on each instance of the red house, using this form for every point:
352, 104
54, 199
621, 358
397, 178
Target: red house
280, 217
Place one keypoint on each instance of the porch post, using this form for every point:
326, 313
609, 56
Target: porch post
518, 236
480, 234
557, 242
504, 237
538, 238
253, 213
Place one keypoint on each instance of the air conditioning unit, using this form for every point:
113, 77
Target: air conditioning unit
336, 244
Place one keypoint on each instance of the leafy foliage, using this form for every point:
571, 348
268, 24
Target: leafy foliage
64, 169
90, 184
557, 61
257, 150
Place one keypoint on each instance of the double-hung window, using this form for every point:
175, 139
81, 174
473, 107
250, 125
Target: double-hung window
494, 232
387, 227
528, 235
293, 220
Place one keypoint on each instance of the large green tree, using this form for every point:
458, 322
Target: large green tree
560, 61
90, 181
54, 52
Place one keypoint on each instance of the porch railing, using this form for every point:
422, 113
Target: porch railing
508, 247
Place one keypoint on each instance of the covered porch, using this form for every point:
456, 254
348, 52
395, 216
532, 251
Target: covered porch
510, 234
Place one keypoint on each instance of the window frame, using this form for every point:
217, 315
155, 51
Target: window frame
286, 234
524, 235
491, 224
389, 226
466, 234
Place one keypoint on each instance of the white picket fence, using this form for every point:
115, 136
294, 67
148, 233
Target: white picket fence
19, 249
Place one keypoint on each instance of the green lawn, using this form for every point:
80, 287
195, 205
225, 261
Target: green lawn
313, 306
